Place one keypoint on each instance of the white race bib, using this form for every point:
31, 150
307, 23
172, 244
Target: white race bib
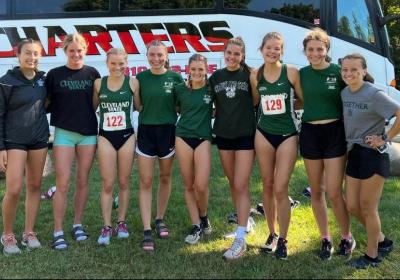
114, 121
273, 104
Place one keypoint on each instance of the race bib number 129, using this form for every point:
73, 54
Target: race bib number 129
273, 104
114, 121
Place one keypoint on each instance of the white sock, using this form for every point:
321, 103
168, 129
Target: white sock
240, 232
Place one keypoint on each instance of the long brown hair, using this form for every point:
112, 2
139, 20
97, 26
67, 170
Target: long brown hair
238, 41
367, 77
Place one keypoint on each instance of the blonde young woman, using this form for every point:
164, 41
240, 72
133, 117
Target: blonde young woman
234, 128
276, 138
156, 137
70, 89
24, 132
322, 140
116, 142
193, 144
365, 109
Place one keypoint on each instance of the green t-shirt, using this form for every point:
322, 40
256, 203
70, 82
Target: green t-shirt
196, 110
115, 106
276, 111
231, 92
157, 97
321, 93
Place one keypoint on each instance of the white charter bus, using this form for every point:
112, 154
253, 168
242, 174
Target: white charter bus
189, 26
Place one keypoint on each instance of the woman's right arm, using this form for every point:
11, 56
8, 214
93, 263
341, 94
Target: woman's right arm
4, 92
254, 91
96, 89
136, 97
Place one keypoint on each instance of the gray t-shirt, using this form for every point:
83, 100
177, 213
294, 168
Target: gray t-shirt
365, 112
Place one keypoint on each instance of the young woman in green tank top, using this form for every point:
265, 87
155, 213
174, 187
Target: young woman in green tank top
322, 140
116, 141
276, 138
193, 144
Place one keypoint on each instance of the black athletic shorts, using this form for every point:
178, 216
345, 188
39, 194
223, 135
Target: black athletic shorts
363, 163
236, 144
274, 139
322, 141
117, 138
156, 140
25, 147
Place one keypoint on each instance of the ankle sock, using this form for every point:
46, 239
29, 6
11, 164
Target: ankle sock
241, 232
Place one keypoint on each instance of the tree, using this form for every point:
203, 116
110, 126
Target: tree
392, 7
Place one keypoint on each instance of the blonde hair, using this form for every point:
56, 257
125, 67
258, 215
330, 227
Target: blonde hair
76, 37
319, 35
117, 51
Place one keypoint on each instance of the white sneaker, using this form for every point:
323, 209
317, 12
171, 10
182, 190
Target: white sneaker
230, 235
30, 241
9, 245
236, 250
194, 235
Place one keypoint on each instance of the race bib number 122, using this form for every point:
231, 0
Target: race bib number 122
114, 121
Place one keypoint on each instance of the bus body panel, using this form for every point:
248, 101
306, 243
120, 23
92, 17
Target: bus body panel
184, 35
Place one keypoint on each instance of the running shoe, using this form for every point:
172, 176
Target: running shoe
346, 247
270, 245
281, 249
236, 250
30, 241
326, 249
194, 236
205, 225
364, 262
385, 246
105, 236
121, 230
10, 246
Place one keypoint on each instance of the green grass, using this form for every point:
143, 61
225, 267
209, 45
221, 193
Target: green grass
174, 259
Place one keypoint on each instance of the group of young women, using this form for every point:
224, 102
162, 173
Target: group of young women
254, 115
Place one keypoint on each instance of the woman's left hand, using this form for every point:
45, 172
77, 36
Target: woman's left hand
374, 141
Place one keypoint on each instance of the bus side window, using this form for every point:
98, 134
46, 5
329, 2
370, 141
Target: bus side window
306, 10
59, 6
353, 20
3, 7
129, 5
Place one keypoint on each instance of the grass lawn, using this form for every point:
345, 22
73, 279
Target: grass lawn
174, 259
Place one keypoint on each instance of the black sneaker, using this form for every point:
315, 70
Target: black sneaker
307, 192
270, 245
346, 247
385, 246
194, 236
281, 249
205, 225
326, 250
364, 262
